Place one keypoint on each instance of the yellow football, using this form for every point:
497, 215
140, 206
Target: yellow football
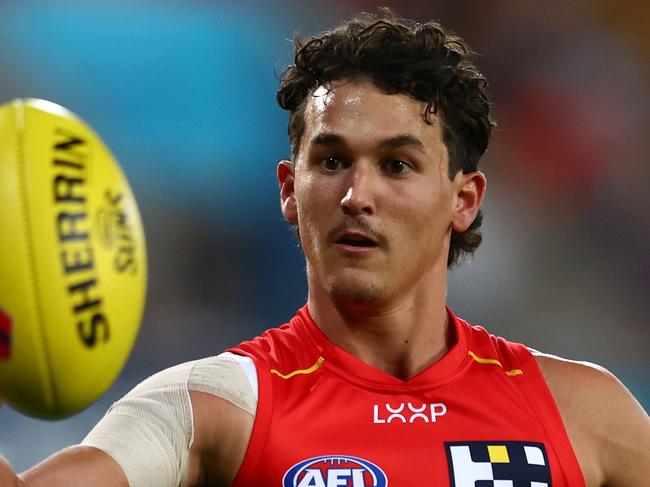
72, 261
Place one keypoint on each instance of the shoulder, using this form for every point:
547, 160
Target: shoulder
587, 395
584, 387
608, 428
570, 379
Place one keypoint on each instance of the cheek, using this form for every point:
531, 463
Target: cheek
311, 222
316, 196
424, 220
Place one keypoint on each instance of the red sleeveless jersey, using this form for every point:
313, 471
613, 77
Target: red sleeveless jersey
482, 416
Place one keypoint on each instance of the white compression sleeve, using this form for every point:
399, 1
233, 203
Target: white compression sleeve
237, 379
149, 432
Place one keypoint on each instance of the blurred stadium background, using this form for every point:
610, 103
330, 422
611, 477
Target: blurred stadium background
183, 93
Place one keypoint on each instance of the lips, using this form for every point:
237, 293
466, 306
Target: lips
355, 239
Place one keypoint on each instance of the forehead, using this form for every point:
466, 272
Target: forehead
358, 109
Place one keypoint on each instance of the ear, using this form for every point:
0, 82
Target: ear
470, 191
287, 193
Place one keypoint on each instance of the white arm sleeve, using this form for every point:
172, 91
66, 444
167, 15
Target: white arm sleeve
149, 432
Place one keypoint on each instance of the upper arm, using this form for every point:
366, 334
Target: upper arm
608, 428
223, 392
143, 440
77, 466
626, 426
219, 445
186, 426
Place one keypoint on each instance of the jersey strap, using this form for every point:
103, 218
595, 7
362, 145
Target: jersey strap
542, 402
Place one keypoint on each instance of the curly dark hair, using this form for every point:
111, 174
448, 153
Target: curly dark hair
424, 61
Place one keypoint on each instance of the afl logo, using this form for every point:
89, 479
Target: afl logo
335, 470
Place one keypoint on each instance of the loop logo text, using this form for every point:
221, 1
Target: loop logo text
408, 413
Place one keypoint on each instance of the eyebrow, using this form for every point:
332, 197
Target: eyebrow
402, 140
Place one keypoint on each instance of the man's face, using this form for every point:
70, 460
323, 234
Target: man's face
371, 193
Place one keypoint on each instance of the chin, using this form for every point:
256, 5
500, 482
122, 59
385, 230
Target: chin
356, 290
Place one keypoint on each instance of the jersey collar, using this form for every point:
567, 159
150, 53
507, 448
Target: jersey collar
354, 370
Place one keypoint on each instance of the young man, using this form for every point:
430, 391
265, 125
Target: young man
374, 381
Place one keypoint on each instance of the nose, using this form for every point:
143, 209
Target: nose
359, 191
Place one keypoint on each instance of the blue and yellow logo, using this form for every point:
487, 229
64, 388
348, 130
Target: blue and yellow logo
498, 464
331, 470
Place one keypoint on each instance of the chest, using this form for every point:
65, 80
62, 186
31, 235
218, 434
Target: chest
323, 431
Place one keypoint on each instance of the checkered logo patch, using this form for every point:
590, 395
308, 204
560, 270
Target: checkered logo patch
498, 464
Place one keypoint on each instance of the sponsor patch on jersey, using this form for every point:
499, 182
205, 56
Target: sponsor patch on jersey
335, 470
408, 413
498, 464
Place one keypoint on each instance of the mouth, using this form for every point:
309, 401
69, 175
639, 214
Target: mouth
354, 241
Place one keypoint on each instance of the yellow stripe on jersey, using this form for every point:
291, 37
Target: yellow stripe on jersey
514, 372
308, 371
494, 361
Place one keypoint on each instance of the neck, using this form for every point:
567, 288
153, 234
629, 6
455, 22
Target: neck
401, 337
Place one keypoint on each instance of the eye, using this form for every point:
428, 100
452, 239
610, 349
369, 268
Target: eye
332, 163
397, 167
